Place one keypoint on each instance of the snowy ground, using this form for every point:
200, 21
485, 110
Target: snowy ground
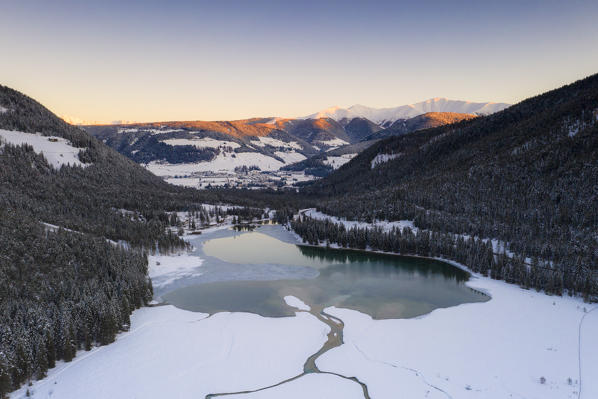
171, 353
272, 142
296, 303
226, 161
502, 348
165, 269
385, 225
204, 142
332, 143
382, 158
56, 150
290, 156
338, 161
312, 386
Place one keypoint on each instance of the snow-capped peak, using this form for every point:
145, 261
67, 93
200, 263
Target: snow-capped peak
386, 115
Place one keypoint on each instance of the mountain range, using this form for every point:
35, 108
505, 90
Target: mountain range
277, 142
384, 117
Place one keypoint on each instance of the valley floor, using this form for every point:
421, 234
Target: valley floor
520, 344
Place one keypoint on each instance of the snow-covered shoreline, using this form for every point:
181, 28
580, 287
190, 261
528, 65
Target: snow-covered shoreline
521, 343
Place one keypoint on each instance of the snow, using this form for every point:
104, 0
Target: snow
205, 142
162, 130
496, 349
171, 353
382, 116
589, 349
165, 269
315, 386
295, 302
290, 157
184, 181
332, 143
272, 121
338, 161
381, 158
3, 110
57, 151
222, 162
383, 224
272, 142
127, 130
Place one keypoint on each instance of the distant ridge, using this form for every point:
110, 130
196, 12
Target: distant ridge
386, 116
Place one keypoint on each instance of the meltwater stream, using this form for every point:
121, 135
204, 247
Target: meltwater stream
254, 271
334, 339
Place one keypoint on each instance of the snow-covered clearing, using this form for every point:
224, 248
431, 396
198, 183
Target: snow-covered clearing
3, 110
519, 344
184, 181
290, 157
383, 224
272, 142
205, 142
165, 269
338, 161
56, 150
127, 130
313, 386
382, 158
55, 228
332, 143
172, 353
297, 303
162, 130
223, 162
588, 348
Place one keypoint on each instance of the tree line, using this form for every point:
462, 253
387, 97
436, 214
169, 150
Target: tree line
475, 253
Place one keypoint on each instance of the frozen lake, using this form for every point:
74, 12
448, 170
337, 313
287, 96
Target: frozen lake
253, 271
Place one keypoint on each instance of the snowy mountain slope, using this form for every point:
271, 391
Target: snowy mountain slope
385, 116
56, 150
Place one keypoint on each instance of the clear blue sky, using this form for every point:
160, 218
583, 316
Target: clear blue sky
183, 60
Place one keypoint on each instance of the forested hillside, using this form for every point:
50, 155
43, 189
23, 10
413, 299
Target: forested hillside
527, 176
67, 287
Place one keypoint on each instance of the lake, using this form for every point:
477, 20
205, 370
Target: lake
383, 286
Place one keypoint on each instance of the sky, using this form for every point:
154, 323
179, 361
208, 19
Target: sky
221, 60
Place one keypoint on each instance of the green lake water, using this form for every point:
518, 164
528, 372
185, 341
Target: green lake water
383, 286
